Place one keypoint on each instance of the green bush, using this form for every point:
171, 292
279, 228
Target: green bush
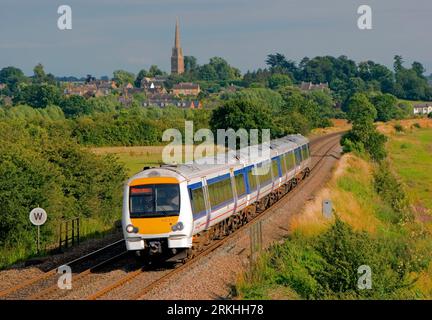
326, 266
392, 191
398, 127
41, 168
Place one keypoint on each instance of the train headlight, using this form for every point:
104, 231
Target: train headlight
130, 228
178, 226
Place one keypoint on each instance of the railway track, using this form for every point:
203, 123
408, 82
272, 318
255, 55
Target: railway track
329, 142
44, 285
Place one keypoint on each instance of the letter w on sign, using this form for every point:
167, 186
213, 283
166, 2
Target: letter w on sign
38, 216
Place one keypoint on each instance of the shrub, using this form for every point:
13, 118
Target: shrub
326, 266
392, 191
351, 146
376, 145
398, 127
53, 172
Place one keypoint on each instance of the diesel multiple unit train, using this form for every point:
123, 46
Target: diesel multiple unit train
174, 209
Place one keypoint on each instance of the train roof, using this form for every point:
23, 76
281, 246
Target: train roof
231, 159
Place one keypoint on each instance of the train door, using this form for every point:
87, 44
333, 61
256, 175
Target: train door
207, 202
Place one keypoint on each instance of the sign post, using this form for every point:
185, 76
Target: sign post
38, 217
255, 241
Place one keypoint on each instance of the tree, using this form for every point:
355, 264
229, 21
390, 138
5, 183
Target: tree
276, 60
360, 110
74, 106
141, 75
279, 64
190, 63
398, 64
241, 113
12, 77
155, 71
260, 76
411, 86
385, 105
279, 80
39, 75
122, 77
371, 71
418, 69
40, 95
363, 134
218, 69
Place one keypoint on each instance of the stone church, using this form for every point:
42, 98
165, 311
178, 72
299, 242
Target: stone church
177, 60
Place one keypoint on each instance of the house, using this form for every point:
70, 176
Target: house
154, 85
105, 87
95, 88
164, 100
186, 89
422, 109
84, 90
309, 86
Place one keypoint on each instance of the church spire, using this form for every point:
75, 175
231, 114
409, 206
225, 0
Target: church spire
177, 35
177, 60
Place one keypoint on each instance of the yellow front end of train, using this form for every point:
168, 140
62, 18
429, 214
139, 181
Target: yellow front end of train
157, 215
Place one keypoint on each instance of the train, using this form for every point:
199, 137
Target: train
174, 210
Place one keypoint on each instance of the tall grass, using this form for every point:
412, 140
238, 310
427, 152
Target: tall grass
320, 258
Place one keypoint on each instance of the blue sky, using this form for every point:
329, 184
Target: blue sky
133, 34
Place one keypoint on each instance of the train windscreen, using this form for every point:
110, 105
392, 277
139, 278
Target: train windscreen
156, 200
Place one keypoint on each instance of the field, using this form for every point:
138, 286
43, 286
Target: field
410, 152
136, 158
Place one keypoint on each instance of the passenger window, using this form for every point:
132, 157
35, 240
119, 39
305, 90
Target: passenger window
220, 192
298, 156
240, 184
275, 168
266, 176
252, 181
290, 161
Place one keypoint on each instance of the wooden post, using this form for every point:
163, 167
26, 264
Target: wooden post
79, 220
38, 239
67, 234
60, 235
255, 241
73, 232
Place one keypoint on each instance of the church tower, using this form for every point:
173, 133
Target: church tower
177, 60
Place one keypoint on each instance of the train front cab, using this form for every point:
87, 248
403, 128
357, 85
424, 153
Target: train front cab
157, 215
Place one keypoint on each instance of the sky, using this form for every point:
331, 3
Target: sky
108, 35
